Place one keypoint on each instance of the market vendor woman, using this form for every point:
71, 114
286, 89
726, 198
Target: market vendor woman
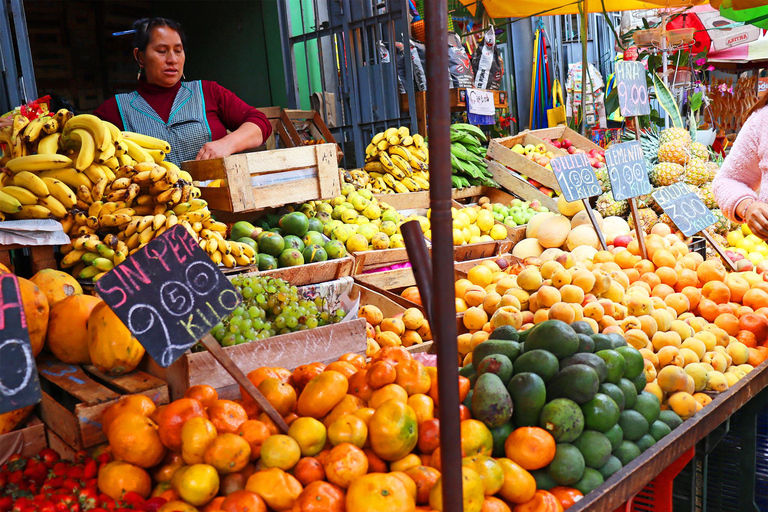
193, 117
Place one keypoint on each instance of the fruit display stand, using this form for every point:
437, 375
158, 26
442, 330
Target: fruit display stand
508, 168
563, 132
266, 179
457, 99
27, 439
306, 127
75, 397
407, 201
300, 275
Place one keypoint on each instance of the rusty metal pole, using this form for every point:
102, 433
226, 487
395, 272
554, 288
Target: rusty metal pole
443, 307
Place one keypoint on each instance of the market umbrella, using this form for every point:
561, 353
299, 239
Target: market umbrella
522, 8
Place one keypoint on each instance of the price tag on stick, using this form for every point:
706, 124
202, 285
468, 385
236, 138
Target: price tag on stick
689, 213
19, 384
578, 181
632, 89
170, 295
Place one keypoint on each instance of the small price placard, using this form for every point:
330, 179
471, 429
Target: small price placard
684, 207
19, 385
576, 177
632, 89
626, 170
169, 294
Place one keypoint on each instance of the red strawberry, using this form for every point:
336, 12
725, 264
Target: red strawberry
90, 470
49, 457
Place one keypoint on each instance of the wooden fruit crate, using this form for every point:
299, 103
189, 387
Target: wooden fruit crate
306, 127
322, 344
371, 260
266, 179
75, 397
278, 137
309, 273
408, 201
561, 131
473, 194
390, 283
41, 257
463, 193
27, 440
389, 308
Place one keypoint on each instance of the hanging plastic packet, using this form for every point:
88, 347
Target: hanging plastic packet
486, 63
418, 58
400, 62
459, 65
385, 58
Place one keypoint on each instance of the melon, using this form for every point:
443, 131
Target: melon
533, 224
583, 253
582, 235
527, 248
613, 227
553, 231
551, 254
569, 209
583, 218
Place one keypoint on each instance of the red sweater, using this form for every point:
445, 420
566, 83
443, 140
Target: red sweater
224, 110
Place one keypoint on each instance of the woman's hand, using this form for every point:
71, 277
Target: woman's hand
756, 217
216, 149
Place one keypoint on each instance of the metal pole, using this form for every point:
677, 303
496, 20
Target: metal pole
444, 307
584, 66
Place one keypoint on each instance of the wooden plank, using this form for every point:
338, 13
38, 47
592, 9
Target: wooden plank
515, 184
407, 201
42, 258
463, 193
309, 273
367, 260
239, 183
328, 171
479, 250
55, 415
563, 131
61, 447
74, 381
218, 198
259, 162
323, 344
630, 479
26, 440
136, 382
519, 163
389, 279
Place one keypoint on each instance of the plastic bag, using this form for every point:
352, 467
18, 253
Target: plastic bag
459, 65
487, 64
418, 60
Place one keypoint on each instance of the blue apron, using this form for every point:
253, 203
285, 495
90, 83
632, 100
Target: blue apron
187, 128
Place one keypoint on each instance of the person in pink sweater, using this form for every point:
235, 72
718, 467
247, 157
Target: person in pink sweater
738, 186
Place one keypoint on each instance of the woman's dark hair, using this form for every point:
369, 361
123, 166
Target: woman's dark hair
144, 28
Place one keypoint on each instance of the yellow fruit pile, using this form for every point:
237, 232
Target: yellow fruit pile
474, 224
408, 329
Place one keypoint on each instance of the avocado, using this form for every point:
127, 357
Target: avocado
243, 228
586, 343
648, 405
610, 467
615, 435
634, 361
498, 364
615, 363
630, 393
544, 480
659, 429
510, 349
645, 442
500, 435
615, 392
633, 424
568, 466
491, 402
468, 399
563, 419
591, 479
523, 335
529, 394
595, 447
588, 359
601, 413
467, 370
617, 339
555, 336
540, 362
626, 452
671, 418
505, 332
577, 382
602, 342
640, 382
582, 327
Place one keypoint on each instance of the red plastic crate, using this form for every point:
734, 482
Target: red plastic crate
657, 495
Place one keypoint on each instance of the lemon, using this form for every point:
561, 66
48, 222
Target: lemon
745, 229
755, 257
485, 220
463, 218
368, 231
342, 233
486, 238
498, 232
388, 227
746, 244
372, 211
357, 243
471, 212
349, 216
396, 241
762, 249
466, 234
475, 240
734, 237
458, 237
360, 220
474, 230
380, 241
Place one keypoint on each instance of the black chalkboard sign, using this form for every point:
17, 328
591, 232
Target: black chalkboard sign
169, 294
632, 89
684, 207
627, 171
19, 385
576, 177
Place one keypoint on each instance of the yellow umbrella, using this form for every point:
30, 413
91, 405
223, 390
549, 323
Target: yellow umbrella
522, 8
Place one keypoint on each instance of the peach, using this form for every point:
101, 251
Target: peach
667, 276
572, 293
505, 284
562, 311
636, 338
649, 355
506, 315
650, 372
547, 296
707, 338
648, 325
662, 290
620, 312
585, 280
637, 306
684, 330
509, 300
578, 312
672, 379
474, 296
491, 302
729, 323
666, 339
658, 303
615, 292
594, 310
613, 329
608, 306
695, 345
527, 317
694, 296
678, 302
663, 319
541, 315
697, 323
477, 338
549, 268
521, 295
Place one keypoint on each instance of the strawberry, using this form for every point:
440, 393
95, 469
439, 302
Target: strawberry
87, 498
75, 472
71, 485
90, 469
49, 457
6, 504
154, 504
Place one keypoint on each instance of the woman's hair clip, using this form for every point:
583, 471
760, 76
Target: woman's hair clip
124, 33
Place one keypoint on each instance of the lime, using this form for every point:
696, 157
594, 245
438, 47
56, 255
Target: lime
615, 363
634, 361
601, 413
626, 452
610, 467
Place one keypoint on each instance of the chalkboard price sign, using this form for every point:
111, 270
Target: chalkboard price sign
632, 89
626, 170
169, 294
576, 177
19, 385
685, 208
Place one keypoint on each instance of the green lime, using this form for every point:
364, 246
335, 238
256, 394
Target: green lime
634, 361
601, 413
626, 452
615, 363
648, 405
610, 467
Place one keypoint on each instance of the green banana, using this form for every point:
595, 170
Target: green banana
472, 129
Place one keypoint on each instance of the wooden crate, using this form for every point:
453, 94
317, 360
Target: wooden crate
563, 131
407, 201
238, 194
309, 273
26, 440
463, 193
508, 168
495, 195
371, 260
322, 344
56, 443
41, 256
306, 127
390, 283
75, 397
278, 137
389, 308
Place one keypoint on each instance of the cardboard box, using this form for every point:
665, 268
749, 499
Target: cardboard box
723, 38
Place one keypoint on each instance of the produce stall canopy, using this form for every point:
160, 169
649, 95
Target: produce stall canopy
522, 8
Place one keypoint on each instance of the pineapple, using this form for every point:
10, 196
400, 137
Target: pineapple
723, 225
696, 172
608, 207
678, 152
706, 194
648, 219
645, 201
700, 151
602, 177
712, 169
675, 134
665, 174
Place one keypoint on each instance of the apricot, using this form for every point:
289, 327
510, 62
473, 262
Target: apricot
672, 379
572, 293
666, 339
578, 312
738, 352
541, 315
729, 323
663, 258
475, 318
463, 343
716, 291
550, 267
684, 330
529, 279
561, 278
547, 296
636, 338
717, 382
683, 404
593, 324
638, 306
711, 270
669, 356
663, 319
666, 275
653, 388
584, 279
491, 302
461, 286
689, 356
662, 290
562, 311
678, 302
615, 292
648, 325
477, 338
624, 259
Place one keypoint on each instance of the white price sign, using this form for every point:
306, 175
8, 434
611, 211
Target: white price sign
480, 102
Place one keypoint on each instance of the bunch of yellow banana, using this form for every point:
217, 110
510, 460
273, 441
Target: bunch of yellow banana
357, 177
229, 253
397, 162
89, 257
27, 196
